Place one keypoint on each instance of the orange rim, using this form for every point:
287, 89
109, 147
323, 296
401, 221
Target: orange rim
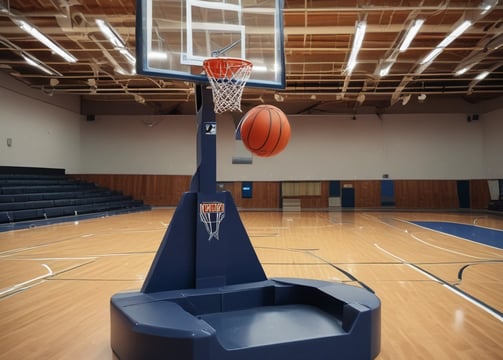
220, 68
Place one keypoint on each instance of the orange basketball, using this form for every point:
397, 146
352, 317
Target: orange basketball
265, 130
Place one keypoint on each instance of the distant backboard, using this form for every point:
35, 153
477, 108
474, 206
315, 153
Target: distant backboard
174, 37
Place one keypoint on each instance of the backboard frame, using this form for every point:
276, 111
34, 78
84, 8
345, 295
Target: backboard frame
144, 26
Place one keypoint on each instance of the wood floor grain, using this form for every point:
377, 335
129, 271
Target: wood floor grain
442, 296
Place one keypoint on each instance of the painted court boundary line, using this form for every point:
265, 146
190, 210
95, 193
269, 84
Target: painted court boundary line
448, 234
21, 285
480, 304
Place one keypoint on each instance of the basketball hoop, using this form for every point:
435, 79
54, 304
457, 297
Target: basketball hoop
227, 78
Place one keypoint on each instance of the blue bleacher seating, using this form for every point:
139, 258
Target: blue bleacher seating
31, 198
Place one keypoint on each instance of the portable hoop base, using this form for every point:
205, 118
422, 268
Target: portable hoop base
274, 319
206, 297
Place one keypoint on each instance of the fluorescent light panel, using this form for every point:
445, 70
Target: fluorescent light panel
110, 33
39, 65
433, 54
116, 40
462, 71
455, 33
411, 34
482, 75
448, 39
361, 27
487, 5
33, 31
385, 70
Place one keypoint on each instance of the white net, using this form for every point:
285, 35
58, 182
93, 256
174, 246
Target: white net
227, 78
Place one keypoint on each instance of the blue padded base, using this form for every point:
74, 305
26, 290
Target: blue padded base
274, 319
266, 325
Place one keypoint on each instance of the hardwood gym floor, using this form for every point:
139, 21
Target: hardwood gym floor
442, 296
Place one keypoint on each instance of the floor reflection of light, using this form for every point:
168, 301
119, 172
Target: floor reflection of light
459, 319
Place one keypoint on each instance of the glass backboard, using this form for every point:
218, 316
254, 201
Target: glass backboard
174, 37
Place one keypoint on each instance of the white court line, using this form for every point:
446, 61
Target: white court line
430, 244
14, 251
454, 236
20, 285
445, 249
455, 290
50, 258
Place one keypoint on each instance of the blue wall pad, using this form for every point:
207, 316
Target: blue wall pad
491, 237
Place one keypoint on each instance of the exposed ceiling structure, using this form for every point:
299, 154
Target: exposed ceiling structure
319, 36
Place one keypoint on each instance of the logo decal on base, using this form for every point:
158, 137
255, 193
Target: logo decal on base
211, 215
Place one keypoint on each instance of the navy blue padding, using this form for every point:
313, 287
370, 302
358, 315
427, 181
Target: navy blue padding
334, 188
387, 193
348, 197
32, 182
25, 205
21, 215
28, 171
463, 188
292, 319
7, 198
59, 211
4, 217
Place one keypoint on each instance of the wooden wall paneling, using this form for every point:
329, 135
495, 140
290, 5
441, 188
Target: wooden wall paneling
426, 194
367, 193
479, 194
165, 190
266, 195
312, 194
402, 195
158, 190
448, 196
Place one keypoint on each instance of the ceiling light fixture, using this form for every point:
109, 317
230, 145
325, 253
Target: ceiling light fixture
30, 60
461, 28
487, 5
482, 75
116, 40
406, 99
33, 31
111, 34
385, 69
462, 71
361, 27
411, 34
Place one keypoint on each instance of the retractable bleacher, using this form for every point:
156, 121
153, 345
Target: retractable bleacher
32, 199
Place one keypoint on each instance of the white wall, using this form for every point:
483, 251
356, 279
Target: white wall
44, 132
47, 132
139, 145
493, 143
416, 146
